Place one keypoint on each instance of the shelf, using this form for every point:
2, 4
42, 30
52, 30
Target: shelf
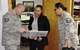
76, 3
77, 19
77, 13
76, 6
76, 9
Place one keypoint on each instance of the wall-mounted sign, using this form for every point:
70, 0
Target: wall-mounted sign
29, 6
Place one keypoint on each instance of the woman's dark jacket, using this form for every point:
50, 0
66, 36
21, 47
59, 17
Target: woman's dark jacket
43, 25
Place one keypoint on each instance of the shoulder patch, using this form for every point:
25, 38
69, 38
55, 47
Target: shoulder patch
6, 19
68, 20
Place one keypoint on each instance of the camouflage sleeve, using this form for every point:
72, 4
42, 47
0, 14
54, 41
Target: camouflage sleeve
9, 24
69, 28
6, 23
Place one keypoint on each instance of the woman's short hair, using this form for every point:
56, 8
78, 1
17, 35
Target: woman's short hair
57, 5
40, 6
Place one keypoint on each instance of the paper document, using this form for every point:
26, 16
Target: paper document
32, 34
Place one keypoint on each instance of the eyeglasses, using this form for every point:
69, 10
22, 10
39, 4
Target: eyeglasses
55, 9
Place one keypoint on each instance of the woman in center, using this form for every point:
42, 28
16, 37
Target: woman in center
39, 22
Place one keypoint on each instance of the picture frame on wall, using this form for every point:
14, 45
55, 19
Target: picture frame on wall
29, 5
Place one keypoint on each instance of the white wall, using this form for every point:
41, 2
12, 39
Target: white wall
3, 10
77, 0
36, 2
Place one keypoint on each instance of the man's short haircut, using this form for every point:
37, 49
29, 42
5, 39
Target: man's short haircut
40, 6
19, 4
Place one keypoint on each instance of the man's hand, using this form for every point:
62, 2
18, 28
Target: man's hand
35, 38
68, 43
23, 30
40, 38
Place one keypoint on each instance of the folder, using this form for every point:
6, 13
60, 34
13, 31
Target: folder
32, 34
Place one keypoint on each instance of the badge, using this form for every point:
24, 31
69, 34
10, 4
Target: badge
68, 20
6, 19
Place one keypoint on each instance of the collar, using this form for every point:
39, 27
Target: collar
15, 13
62, 15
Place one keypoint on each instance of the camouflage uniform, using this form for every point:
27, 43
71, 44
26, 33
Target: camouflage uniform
67, 30
10, 33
